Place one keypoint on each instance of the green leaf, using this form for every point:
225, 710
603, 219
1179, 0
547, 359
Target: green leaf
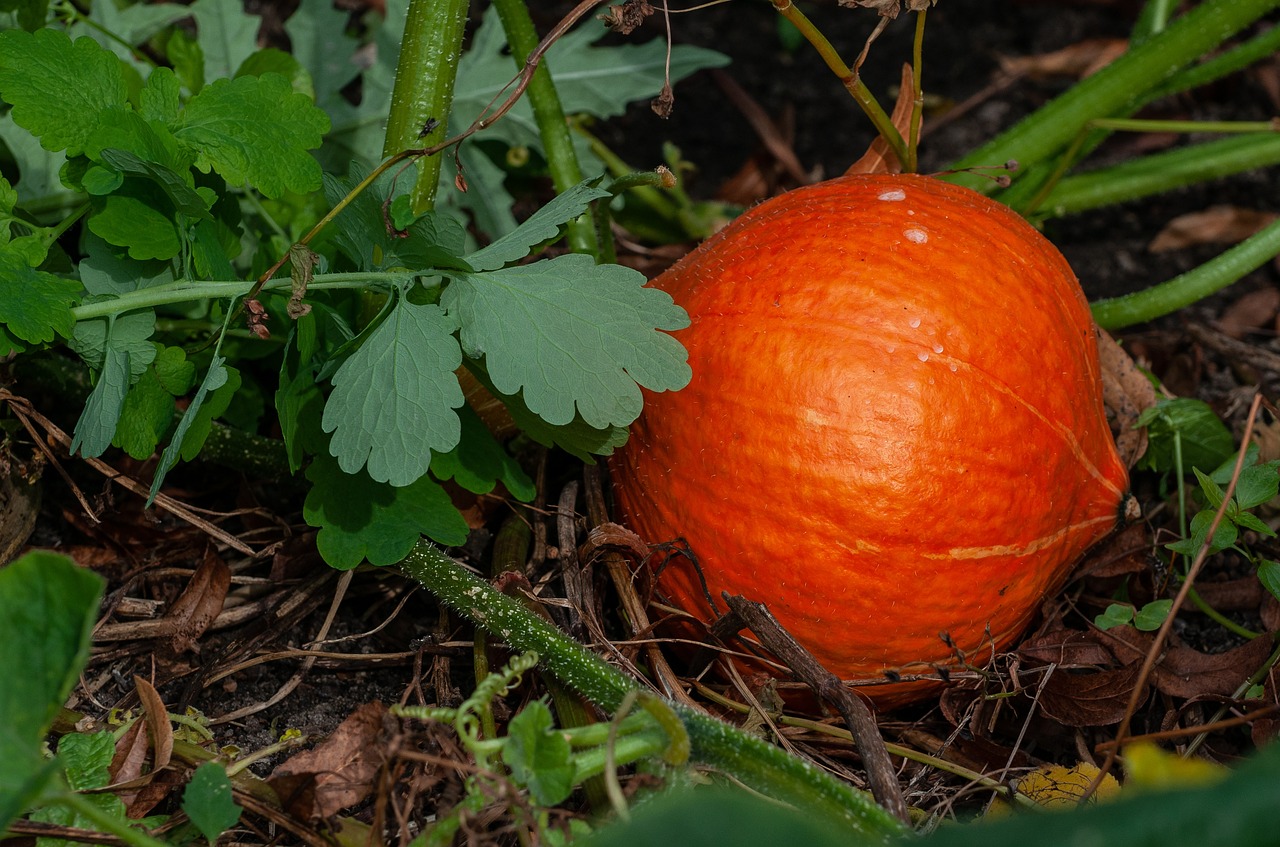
187, 57
1269, 576
92, 340
394, 398
35, 306
86, 759
571, 335
48, 607
1206, 441
600, 81
479, 461
106, 270
145, 416
96, 427
432, 240
207, 801
1152, 615
214, 406
227, 35
299, 402
139, 218
361, 519
1223, 537
217, 376
175, 186
255, 129
318, 34
539, 757
1257, 483
161, 98
1213, 495
576, 437
31, 13
58, 88
1116, 614
271, 60
542, 225
38, 168
1248, 520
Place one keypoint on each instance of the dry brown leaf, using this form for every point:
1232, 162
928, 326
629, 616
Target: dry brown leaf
889, 8
1122, 554
1092, 699
1076, 61
1185, 672
318, 783
1126, 393
1214, 225
1234, 595
1067, 648
1250, 312
880, 158
199, 603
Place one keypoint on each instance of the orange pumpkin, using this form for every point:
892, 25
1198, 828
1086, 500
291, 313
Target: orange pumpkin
894, 436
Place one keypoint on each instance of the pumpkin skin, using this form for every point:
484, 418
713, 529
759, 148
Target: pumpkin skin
894, 429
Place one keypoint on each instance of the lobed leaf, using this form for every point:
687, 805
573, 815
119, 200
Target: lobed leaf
360, 519
34, 305
479, 462
58, 87
255, 129
228, 35
394, 398
571, 336
542, 225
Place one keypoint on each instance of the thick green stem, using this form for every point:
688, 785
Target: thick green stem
1161, 172
423, 90
747, 758
1183, 290
1113, 91
562, 159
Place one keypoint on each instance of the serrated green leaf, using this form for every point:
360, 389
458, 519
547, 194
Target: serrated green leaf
57, 87
541, 226
215, 405
173, 371
571, 335
161, 98
208, 803
93, 338
107, 270
361, 519
255, 129
35, 306
228, 35
394, 398
576, 438
187, 58
1116, 614
48, 606
120, 28
539, 757
1269, 576
271, 60
1152, 615
479, 462
145, 416
139, 218
86, 758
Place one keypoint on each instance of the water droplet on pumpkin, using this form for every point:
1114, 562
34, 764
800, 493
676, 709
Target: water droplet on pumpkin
937, 348
916, 235
954, 367
914, 323
890, 348
894, 195
924, 357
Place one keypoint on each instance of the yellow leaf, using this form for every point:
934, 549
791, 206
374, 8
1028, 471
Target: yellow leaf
1148, 766
1060, 787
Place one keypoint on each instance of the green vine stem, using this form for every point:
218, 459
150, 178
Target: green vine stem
1187, 288
713, 743
1113, 91
1161, 172
848, 78
562, 159
423, 90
